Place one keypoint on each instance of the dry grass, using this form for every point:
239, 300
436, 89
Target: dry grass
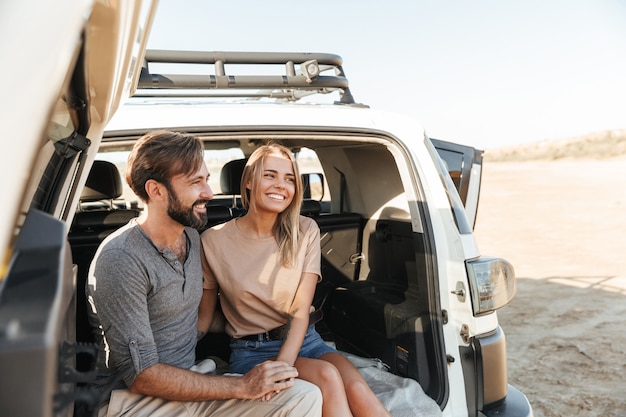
600, 145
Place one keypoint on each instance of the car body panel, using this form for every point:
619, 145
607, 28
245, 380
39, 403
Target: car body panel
115, 38
26, 106
52, 91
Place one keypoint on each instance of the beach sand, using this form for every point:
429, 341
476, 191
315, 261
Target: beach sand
562, 224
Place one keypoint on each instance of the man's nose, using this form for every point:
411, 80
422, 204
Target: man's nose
207, 193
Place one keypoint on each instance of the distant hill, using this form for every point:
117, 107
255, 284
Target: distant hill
599, 145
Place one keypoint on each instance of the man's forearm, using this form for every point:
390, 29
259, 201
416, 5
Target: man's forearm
171, 383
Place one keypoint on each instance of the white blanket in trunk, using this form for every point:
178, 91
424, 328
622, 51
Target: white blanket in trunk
403, 397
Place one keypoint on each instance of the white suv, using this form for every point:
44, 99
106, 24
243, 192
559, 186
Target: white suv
403, 279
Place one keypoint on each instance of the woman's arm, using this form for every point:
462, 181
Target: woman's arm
206, 311
298, 319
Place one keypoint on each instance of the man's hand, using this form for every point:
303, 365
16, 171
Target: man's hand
269, 378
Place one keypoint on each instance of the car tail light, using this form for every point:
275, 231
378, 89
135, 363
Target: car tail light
492, 284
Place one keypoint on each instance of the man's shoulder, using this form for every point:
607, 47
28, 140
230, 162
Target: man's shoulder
123, 249
120, 238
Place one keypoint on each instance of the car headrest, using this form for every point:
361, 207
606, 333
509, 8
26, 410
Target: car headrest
310, 208
103, 183
230, 176
218, 214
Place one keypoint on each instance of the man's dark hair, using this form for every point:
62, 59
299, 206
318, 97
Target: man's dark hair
161, 155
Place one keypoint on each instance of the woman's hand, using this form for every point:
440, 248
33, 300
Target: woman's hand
269, 378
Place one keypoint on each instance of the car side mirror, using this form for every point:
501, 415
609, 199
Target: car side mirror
313, 185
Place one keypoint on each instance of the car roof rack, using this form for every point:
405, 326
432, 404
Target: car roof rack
302, 75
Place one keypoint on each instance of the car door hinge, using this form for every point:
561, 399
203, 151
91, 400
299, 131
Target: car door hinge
71, 145
465, 333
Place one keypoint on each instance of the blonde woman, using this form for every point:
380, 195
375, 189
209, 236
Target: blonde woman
266, 265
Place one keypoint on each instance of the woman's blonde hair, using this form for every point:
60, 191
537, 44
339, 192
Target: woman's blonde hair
287, 227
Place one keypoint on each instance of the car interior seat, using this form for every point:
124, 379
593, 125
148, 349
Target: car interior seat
230, 180
97, 217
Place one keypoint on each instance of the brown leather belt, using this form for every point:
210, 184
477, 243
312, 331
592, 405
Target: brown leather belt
279, 332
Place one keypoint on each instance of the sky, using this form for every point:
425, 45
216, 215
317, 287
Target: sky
485, 73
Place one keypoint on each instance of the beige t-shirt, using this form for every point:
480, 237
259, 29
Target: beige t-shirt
256, 292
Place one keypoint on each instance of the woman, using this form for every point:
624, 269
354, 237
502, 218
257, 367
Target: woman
266, 265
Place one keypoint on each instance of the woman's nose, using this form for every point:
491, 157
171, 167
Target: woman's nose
282, 182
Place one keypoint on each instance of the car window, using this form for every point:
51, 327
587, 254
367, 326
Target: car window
454, 165
309, 165
456, 205
215, 159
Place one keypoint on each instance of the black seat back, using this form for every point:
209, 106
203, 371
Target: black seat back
230, 176
97, 217
230, 182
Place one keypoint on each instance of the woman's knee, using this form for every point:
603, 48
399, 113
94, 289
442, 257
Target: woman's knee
329, 374
357, 388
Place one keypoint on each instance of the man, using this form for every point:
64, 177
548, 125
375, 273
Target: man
144, 289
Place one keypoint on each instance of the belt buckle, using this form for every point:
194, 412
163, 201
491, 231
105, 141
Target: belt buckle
265, 337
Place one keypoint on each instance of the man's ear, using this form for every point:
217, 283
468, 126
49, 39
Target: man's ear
155, 190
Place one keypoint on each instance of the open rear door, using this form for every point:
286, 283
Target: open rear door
465, 168
60, 119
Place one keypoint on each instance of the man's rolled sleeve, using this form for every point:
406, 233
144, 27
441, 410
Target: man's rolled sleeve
124, 315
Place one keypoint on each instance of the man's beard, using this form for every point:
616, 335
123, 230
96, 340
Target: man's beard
183, 215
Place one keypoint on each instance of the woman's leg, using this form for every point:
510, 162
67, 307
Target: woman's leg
363, 402
326, 376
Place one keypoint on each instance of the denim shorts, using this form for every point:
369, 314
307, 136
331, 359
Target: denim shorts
246, 354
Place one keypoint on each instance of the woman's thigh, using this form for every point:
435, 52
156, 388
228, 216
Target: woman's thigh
319, 372
347, 370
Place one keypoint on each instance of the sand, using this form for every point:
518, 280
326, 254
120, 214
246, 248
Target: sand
563, 226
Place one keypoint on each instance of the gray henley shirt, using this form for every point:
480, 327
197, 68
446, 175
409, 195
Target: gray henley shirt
143, 305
